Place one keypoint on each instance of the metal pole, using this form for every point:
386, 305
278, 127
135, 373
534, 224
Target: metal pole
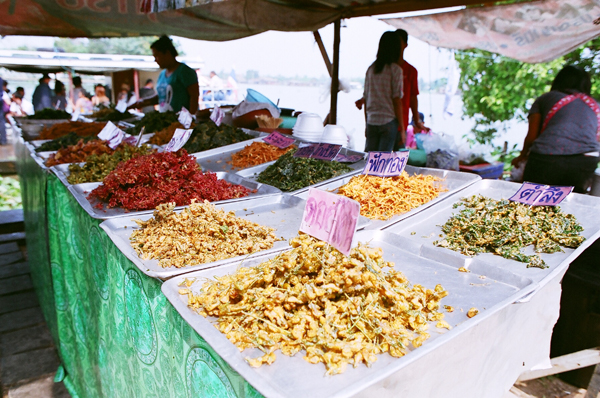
335, 71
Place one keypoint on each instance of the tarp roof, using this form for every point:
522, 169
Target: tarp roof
195, 19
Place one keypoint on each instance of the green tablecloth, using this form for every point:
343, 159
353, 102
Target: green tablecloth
117, 335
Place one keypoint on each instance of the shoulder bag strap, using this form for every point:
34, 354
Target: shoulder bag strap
564, 101
594, 105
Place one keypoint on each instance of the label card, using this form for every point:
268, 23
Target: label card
279, 140
326, 151
348, 159
121, 106
75, 115
180, 137
331, 218
305, 151
217, 115
112, 134
540, 195
185, 118
386, 164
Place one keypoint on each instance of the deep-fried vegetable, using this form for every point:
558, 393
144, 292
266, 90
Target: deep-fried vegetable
207, 135
63, 142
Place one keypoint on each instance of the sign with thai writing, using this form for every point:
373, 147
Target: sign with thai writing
331, 218
217, 115
305, 151
279, 140
386, 164
540, 195
326, 151
185, 118
348, 158
180, 137
112, 134
75, 115
121, 106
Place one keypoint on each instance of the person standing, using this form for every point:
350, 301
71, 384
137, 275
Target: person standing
77, 87
561, 146
177, 84
59, 99
42, 95
148, 91
3, 107
26, 105
383, 96
100, 98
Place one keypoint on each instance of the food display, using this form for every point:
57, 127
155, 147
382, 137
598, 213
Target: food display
199, 234
79, 152
153, 122
339, 309
163, 136
49, 114
382, 198
147, 181
289, 173
207, 135
110, 114
97, 167
10, 194
257, 153
82, 129
63, 142
503, 227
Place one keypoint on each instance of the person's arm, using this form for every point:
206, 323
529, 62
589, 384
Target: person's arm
145, 102
414, 108
398, 111
535, 126
194, 92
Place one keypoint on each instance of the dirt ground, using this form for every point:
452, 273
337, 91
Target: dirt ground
548, 387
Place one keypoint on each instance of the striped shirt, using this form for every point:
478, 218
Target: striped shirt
380, 89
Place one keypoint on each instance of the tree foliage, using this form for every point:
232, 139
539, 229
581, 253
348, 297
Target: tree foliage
497, 89
127, 45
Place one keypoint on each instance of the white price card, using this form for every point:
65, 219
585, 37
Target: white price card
112, 134
75, 115
185, 118
121, 106
180, 137
217, 115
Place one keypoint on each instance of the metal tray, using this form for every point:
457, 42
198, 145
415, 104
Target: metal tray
454, 182
282, 212
287, 377
81, 191
418, 232
252, 172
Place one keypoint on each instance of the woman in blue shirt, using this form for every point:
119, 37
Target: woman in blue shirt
177, 84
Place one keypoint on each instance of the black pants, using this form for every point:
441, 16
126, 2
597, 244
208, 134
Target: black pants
567, 170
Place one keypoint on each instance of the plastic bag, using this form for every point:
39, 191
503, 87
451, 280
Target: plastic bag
441, 150
475, 154
517, 172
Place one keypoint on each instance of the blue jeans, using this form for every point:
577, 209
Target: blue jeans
381, 138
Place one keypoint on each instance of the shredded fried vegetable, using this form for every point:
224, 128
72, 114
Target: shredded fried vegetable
163, 136
257, 153
82, 129
78, 152
341, 310
199, 234
502, 227
382, 198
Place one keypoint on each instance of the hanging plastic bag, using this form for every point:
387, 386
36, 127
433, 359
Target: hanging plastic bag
441, 150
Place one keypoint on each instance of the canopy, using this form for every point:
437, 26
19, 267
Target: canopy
532, 32
195, 19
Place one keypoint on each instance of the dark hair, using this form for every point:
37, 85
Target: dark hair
149, 81
59, 87
164, 44
20, 89
18, 95
572, 79
4, 83
403, 35
77, 81
388, 52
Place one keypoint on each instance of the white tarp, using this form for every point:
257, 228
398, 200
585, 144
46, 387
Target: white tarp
538, 31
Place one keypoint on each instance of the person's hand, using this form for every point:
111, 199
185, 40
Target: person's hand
359, 103
419, 127
518, 160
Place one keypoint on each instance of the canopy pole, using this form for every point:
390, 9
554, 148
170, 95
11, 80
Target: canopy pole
323, 51
335, 71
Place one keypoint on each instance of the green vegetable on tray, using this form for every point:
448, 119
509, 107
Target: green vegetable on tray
110, 114
289, 173
153, 122
97, 167
503, 227
63, 142
207, 135
10, 194
49, 114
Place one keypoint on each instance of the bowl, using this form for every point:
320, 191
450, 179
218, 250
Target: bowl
309, 122
335, 132
255, 96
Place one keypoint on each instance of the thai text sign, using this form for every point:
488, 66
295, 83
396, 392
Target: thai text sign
540, 195
331, 218
185, 118
112, 134
348, 158
305, 151
217, 115
279, 140
180, 137
386, 164
318, 151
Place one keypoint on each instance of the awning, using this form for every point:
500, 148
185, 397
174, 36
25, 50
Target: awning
532, 32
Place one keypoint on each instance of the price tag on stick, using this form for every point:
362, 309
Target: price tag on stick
386, 164
112, 134
540, 195
180, 137
305, 151
331, 218
326, 151
348, 159
121, 106
279, 140
185, 118
217, 115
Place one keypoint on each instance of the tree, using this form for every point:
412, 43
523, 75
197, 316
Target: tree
128, 45
497, 88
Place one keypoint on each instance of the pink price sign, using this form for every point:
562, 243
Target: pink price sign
279, 140
348, 159
331, 218
540, 195
180, 137
326, 151
386, 164
305, 151
112, 134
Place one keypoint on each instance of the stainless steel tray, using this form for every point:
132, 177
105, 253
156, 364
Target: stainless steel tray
81, 191
418, 232
287, 377
253, 172
453, 182
282, 212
